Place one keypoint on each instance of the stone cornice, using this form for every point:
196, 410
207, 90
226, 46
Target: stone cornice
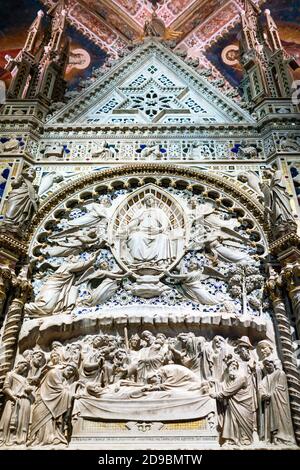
13, 244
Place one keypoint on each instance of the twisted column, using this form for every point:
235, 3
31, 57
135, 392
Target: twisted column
285, 340
291, 273
12, 325
6, 276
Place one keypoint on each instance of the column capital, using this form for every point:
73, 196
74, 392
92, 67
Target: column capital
291, 275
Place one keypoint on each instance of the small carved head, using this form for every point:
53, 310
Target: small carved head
104, 265
22, 367
120, 355
55, 358
135, 342
269, 365
38, 359
232, 368
218, 342
30, 173
55, 345
183, 338
148, 337
70, 371
99, 341
194, 265
264, 349
149, 200
105, 201
154, 379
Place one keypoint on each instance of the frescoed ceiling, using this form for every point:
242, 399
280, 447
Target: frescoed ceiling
112, 23
98, 28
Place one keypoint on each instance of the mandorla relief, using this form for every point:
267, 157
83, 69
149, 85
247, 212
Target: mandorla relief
148, 249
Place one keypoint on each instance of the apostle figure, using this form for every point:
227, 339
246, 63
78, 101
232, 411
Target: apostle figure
22, 201
150, 359
278, 428
276, 200
53, 404
265, 350
148, 234
190, 353
14, 423
237, 426
59, 294
248, 368
37, 367
212, 358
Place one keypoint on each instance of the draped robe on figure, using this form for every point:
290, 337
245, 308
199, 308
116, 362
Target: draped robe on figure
58, 294
15, 418
53, 401
278, 421
149, 241
238, 421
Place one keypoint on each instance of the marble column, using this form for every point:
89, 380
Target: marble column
6, 276
285, 341
12, 325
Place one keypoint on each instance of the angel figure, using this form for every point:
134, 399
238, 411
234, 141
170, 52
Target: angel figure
106, 288
95, 217
191, 283
74, 243
214, 234
59, 294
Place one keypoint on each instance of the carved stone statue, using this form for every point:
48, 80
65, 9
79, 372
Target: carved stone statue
191, 283
59, 294
148, 236
74, 243
237, 425
277, 202
14, 422
213, 359
22, 201
191, 351
53, 402
150, 359
96, 215
246, 150
105, 289
265, 350
104, 151
248, 368
273, 391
